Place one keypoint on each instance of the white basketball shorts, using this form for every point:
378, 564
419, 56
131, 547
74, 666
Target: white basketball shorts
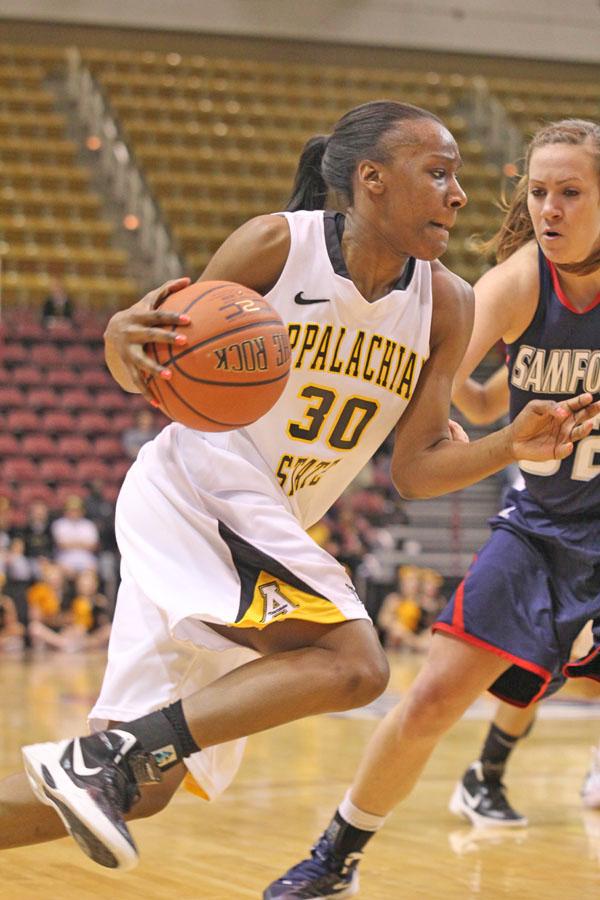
205, 540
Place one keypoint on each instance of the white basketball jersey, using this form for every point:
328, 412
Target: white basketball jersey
355, 366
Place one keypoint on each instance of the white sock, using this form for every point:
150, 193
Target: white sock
357, 818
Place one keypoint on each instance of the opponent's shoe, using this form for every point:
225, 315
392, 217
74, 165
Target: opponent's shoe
483, 801
590, 789
92, 782
325, 874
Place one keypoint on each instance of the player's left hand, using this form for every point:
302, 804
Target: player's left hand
547, 430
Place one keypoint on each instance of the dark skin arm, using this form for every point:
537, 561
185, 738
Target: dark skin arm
426, 462
254, 255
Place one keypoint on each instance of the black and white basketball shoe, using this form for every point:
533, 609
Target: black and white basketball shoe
92, 782
482, 801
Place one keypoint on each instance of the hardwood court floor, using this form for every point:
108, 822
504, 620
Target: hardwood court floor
291, 781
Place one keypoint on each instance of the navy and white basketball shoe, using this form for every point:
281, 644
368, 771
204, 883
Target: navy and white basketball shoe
483, 801
92, 782
324, 874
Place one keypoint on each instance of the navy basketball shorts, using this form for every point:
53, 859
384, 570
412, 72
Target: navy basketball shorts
527, 595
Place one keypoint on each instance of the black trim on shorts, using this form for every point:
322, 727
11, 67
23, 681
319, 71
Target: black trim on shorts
249, 562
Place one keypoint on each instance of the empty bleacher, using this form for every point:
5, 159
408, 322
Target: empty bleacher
51, 221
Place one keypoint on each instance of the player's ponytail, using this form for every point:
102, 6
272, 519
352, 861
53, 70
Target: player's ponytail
328, 164
309, 190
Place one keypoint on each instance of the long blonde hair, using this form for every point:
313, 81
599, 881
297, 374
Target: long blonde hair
517, 228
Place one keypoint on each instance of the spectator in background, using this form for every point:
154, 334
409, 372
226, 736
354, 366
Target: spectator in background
19, 573
11, 630
5, 525
90, 610
432, 601
46, 598
102, 513
400, 616
76, 539
37, 534
140, 433
58, 306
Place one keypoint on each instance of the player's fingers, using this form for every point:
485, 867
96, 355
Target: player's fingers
563, 450
137, 335
581, 430
140, 361
578, 402
159, 317
457, 432
588, 412
169, 287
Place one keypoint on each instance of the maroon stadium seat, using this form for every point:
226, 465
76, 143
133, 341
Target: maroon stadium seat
59, 422
38, 445
74, 446
108, 448
9, 445
56, 470
22, 421
18, 469
42, 398
112, 400
11, 397
76, 398
62, 377
28, 376
90, 469
94, 423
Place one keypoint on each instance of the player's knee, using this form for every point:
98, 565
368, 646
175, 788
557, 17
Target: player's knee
427, 711
365, 677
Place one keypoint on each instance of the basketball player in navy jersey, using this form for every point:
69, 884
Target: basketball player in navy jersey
212, 527
510, 625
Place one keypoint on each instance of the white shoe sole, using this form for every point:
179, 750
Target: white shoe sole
96, 836
350, 891
459, 807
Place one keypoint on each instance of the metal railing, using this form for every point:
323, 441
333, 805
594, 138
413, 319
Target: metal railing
127, 185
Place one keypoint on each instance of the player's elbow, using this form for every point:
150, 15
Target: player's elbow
408, 484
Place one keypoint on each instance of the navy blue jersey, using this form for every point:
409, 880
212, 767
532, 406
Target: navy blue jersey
556, 357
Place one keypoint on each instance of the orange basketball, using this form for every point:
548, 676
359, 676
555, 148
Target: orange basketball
235, 364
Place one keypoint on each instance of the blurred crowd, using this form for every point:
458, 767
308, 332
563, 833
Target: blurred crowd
58, 575
407, 612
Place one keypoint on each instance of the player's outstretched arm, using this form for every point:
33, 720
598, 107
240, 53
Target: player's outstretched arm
483, 403
426, 462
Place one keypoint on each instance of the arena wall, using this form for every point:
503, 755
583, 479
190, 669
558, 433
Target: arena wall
542, 29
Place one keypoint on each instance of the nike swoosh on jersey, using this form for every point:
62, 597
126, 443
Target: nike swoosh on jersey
306, 301
79, 766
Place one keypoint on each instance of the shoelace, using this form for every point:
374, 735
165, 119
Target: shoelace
121, 789
321, 856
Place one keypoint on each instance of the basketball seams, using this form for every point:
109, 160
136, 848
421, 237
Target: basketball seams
223, 334
202, 415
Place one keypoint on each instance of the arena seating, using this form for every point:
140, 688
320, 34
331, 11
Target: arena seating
61, 413
51, 221
218, 138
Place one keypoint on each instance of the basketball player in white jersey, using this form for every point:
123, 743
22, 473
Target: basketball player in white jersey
211, 527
